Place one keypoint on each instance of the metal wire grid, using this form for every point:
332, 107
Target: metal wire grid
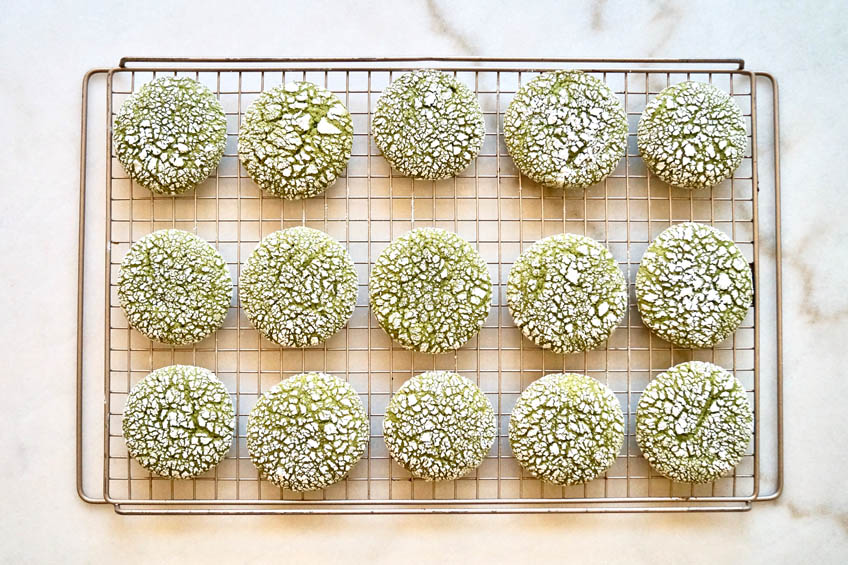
492, 206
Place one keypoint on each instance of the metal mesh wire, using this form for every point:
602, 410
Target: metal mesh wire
489, 204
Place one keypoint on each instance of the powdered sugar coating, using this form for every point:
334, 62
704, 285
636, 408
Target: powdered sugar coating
307, 432
694, 422
566, 293
566, 428
439, 426
170, 134
178, 421
692, 135
174, 287
295, 140
566, 129
694, 286
430, 290
298, 287
428, 125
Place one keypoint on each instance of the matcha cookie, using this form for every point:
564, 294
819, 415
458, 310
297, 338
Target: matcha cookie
566, 293
170, 134
178, 421
692, 135
307, 432
430, 290
298, 287
439, 426
694, 423
694, 286
295, 140
565, 129
566, 428
428, 125
174, 287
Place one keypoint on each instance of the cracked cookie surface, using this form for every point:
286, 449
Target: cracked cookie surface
295, 140
694, 286
565, 129
170, 134
694, 422
566, 428
174, 287
428, 125
307, 432
430, 290
298, 287
692, 135
439, 426
178, 421
566, 293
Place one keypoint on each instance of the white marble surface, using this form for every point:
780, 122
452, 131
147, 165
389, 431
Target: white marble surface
46, 48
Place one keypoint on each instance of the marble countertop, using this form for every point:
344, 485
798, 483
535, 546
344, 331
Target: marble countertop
45, 51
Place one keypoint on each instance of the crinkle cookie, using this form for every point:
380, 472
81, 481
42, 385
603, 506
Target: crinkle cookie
566, 293
430, 290
428, 125
566, 428
298, 287
439, 426
295, 140
307, 432
178, 421
692, 135
170, 134
694, 286
694, 422
174, 287
566, 129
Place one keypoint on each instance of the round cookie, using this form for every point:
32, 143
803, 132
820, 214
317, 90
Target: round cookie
439, 426
174, 287
307, 432
694, 422
428, 125
170, 134
566, 428
692, 135
565, 129
430, 290
178, 421
566, 293
295, 140
298, 287
694, 286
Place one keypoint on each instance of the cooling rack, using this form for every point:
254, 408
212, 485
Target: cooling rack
491, 205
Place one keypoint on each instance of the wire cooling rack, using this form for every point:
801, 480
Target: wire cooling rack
489, 204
